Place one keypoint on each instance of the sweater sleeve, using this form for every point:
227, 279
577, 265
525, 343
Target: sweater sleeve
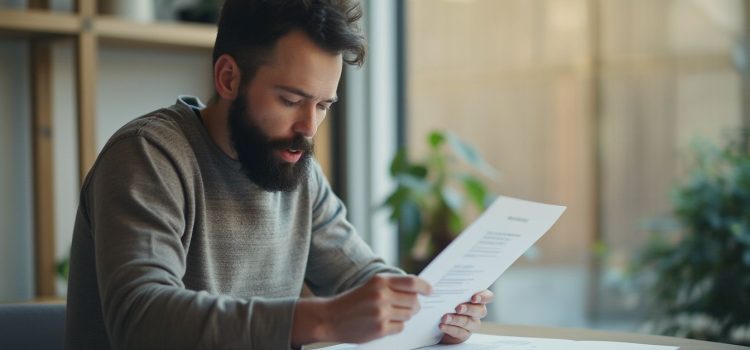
138, 214
339, 258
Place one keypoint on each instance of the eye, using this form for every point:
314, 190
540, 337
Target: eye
287, 102
324, 107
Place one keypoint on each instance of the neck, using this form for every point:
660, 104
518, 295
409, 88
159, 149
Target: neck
215, 117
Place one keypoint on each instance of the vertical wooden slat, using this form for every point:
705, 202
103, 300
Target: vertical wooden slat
86, 67
86, 62
44, 230
43, 163
86, 8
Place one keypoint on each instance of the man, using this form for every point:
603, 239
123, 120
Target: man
198, 225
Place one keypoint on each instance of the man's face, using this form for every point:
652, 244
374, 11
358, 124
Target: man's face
276, 114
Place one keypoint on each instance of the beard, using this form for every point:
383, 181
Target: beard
256, 152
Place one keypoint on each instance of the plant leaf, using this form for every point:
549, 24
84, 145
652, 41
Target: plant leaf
395, 200
452, 199
470, 155
410, 221
476, 190
455, 223
464, 150
417, 170
63, 268
399, 162
435, 139
417, 184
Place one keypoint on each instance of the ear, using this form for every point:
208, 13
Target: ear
227, 77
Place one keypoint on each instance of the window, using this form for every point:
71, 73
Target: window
587, 103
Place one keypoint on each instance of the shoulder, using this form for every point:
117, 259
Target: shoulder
318, 186
171, 131
164, 127
161, 136
316, 180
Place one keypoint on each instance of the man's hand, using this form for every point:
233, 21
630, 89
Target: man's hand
376, 309
467, 319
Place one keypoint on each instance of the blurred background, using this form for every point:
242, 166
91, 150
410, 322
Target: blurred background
617, 109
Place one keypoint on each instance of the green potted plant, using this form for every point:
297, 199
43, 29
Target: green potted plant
699, 274
62, 268
429, 203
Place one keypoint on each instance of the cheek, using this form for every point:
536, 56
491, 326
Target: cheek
321, 117
275, 120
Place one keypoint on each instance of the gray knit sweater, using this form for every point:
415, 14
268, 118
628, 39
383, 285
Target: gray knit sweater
175, 248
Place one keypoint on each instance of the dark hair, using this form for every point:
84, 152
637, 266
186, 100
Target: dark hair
249, 29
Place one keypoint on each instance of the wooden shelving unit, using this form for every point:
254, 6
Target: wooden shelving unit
190, 36
40, 24
41, 27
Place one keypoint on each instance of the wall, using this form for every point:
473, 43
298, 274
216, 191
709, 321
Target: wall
16, 265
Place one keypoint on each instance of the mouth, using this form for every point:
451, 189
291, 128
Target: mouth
290, 155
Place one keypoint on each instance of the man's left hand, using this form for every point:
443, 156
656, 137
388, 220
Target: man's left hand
458, 326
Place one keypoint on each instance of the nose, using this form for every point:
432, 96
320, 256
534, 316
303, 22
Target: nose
307, 121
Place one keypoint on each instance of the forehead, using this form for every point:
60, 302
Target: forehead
300, 63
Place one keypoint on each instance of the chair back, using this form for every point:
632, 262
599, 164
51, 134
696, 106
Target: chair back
32, 326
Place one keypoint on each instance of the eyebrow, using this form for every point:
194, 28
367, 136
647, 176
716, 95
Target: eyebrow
304, 94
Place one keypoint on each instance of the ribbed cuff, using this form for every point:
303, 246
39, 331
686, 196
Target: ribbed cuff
271, 324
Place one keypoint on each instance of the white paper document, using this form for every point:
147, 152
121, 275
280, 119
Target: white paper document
471, 263
499, 342
487, 342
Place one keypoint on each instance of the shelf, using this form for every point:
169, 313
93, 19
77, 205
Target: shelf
29, 23
198, 36
38, 22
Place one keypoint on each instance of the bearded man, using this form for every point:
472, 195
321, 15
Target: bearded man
199, 224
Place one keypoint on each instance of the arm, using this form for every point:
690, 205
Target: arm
339, 259
380, 308
365, 298
376, 309
139, 215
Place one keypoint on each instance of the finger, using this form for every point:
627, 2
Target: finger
410, 284
395, 327
477, 311
405, 300
459, 333
401, 314
468, 323
447, 339
484, 297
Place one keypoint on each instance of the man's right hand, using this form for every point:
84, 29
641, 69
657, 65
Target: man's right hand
376, 309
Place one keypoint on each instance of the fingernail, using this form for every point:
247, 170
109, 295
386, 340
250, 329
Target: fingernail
477, 299
463, 309
448, 319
